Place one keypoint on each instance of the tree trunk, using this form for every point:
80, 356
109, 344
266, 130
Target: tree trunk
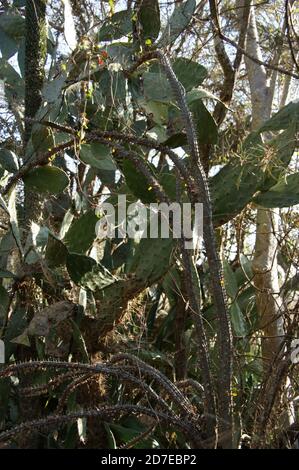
265, 255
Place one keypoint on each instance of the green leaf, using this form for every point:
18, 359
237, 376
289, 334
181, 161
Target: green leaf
23, 339
7, 245
137, 182
87, 273
168, 181
97, 279
113, 86
80, 342
21, 57
8, 46
12, 30
284, 194
176, 140
4, 304
78, 265
52, 90
244, 272
9, 160
124, 434
158, 111
199, 94
117, 26
97, 156
189, 73
82, 233
231, 284
232, 188
12, 25
42, 139
117, 252
110, 437
56, 252
235, 184
121, 53
152, 258
207, 132
66, 223
283, 118
157, 88
237, 319
281, 149
16, 326
47, 179
149, 19
13, 84
178, 22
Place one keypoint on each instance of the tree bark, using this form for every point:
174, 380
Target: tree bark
265, 253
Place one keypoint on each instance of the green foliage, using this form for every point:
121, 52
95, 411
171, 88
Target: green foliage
156, 87
137, 182
47, 179
207, 132
134, 291
235, 179
237, 318
98, 156
12, 29
82, 233
283, 194
189, 73
149, 19
56, 252
4, 304
13, 84
117, 26
15, 328
283, 118
152, 258
177, 23
247, 176
9, 160
52, 89
79, 265
87, 273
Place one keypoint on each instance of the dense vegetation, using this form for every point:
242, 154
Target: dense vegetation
140, 342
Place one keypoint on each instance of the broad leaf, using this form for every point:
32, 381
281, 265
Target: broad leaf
82, 233
189, 73
47, 179
283, 118
237, 319
79, 265
178, 22
149, 19
56, 252
137, 182
87, 273
117, 26
9, 160
4, 304
207, 132
157, 88
97, 156
284, 194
